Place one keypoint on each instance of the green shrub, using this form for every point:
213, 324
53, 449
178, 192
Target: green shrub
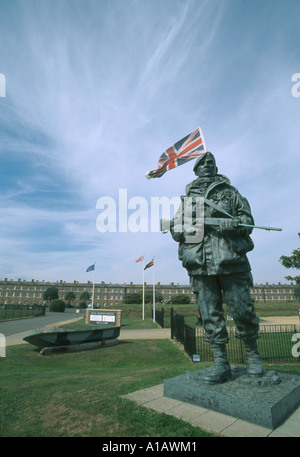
136, 298
180, 299
57, 306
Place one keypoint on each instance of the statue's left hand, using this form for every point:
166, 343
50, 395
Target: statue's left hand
229, 226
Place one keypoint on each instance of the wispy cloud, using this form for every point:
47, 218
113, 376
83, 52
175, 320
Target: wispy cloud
97, 90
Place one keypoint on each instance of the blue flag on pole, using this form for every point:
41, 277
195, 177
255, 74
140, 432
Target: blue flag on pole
90, 268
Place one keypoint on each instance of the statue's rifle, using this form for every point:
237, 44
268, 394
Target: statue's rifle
211, 221
165, 224
217, 221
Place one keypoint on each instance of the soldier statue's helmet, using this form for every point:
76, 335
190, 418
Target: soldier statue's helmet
198, 161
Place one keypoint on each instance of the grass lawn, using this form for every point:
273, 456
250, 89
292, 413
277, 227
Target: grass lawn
79, 394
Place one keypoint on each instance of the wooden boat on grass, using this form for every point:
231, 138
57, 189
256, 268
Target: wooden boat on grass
72, 337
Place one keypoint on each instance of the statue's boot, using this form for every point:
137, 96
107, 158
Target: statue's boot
253, 362
220, 371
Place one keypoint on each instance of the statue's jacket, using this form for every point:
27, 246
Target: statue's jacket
218, 252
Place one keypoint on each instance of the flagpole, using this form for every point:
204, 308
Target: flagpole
143, 289
153, 295
93, 286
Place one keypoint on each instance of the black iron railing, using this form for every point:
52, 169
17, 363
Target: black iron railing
276, 343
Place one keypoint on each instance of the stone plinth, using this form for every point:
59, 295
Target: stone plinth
266, 401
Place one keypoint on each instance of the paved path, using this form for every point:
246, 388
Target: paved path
15, 330
280, 320
145, 334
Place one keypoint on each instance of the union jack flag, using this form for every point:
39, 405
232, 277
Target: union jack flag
190, 147
140, 259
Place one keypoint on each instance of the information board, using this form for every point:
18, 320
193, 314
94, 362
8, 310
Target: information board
102, 317
111, 317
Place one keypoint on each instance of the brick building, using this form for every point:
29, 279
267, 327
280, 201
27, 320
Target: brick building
107, 294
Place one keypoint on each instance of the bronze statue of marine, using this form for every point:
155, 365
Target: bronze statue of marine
218, 266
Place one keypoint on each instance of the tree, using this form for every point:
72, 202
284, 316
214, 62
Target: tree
70, 296
293, 261
50, 294
57, 306
85, 296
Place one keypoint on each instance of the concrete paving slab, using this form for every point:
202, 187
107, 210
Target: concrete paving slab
146, 395
186, 412
213, 422
290, 428
242, 428
162, 404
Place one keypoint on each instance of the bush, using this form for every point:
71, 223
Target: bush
180, 299
57, 306
131, 298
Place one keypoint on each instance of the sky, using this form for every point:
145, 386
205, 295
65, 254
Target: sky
97, 90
